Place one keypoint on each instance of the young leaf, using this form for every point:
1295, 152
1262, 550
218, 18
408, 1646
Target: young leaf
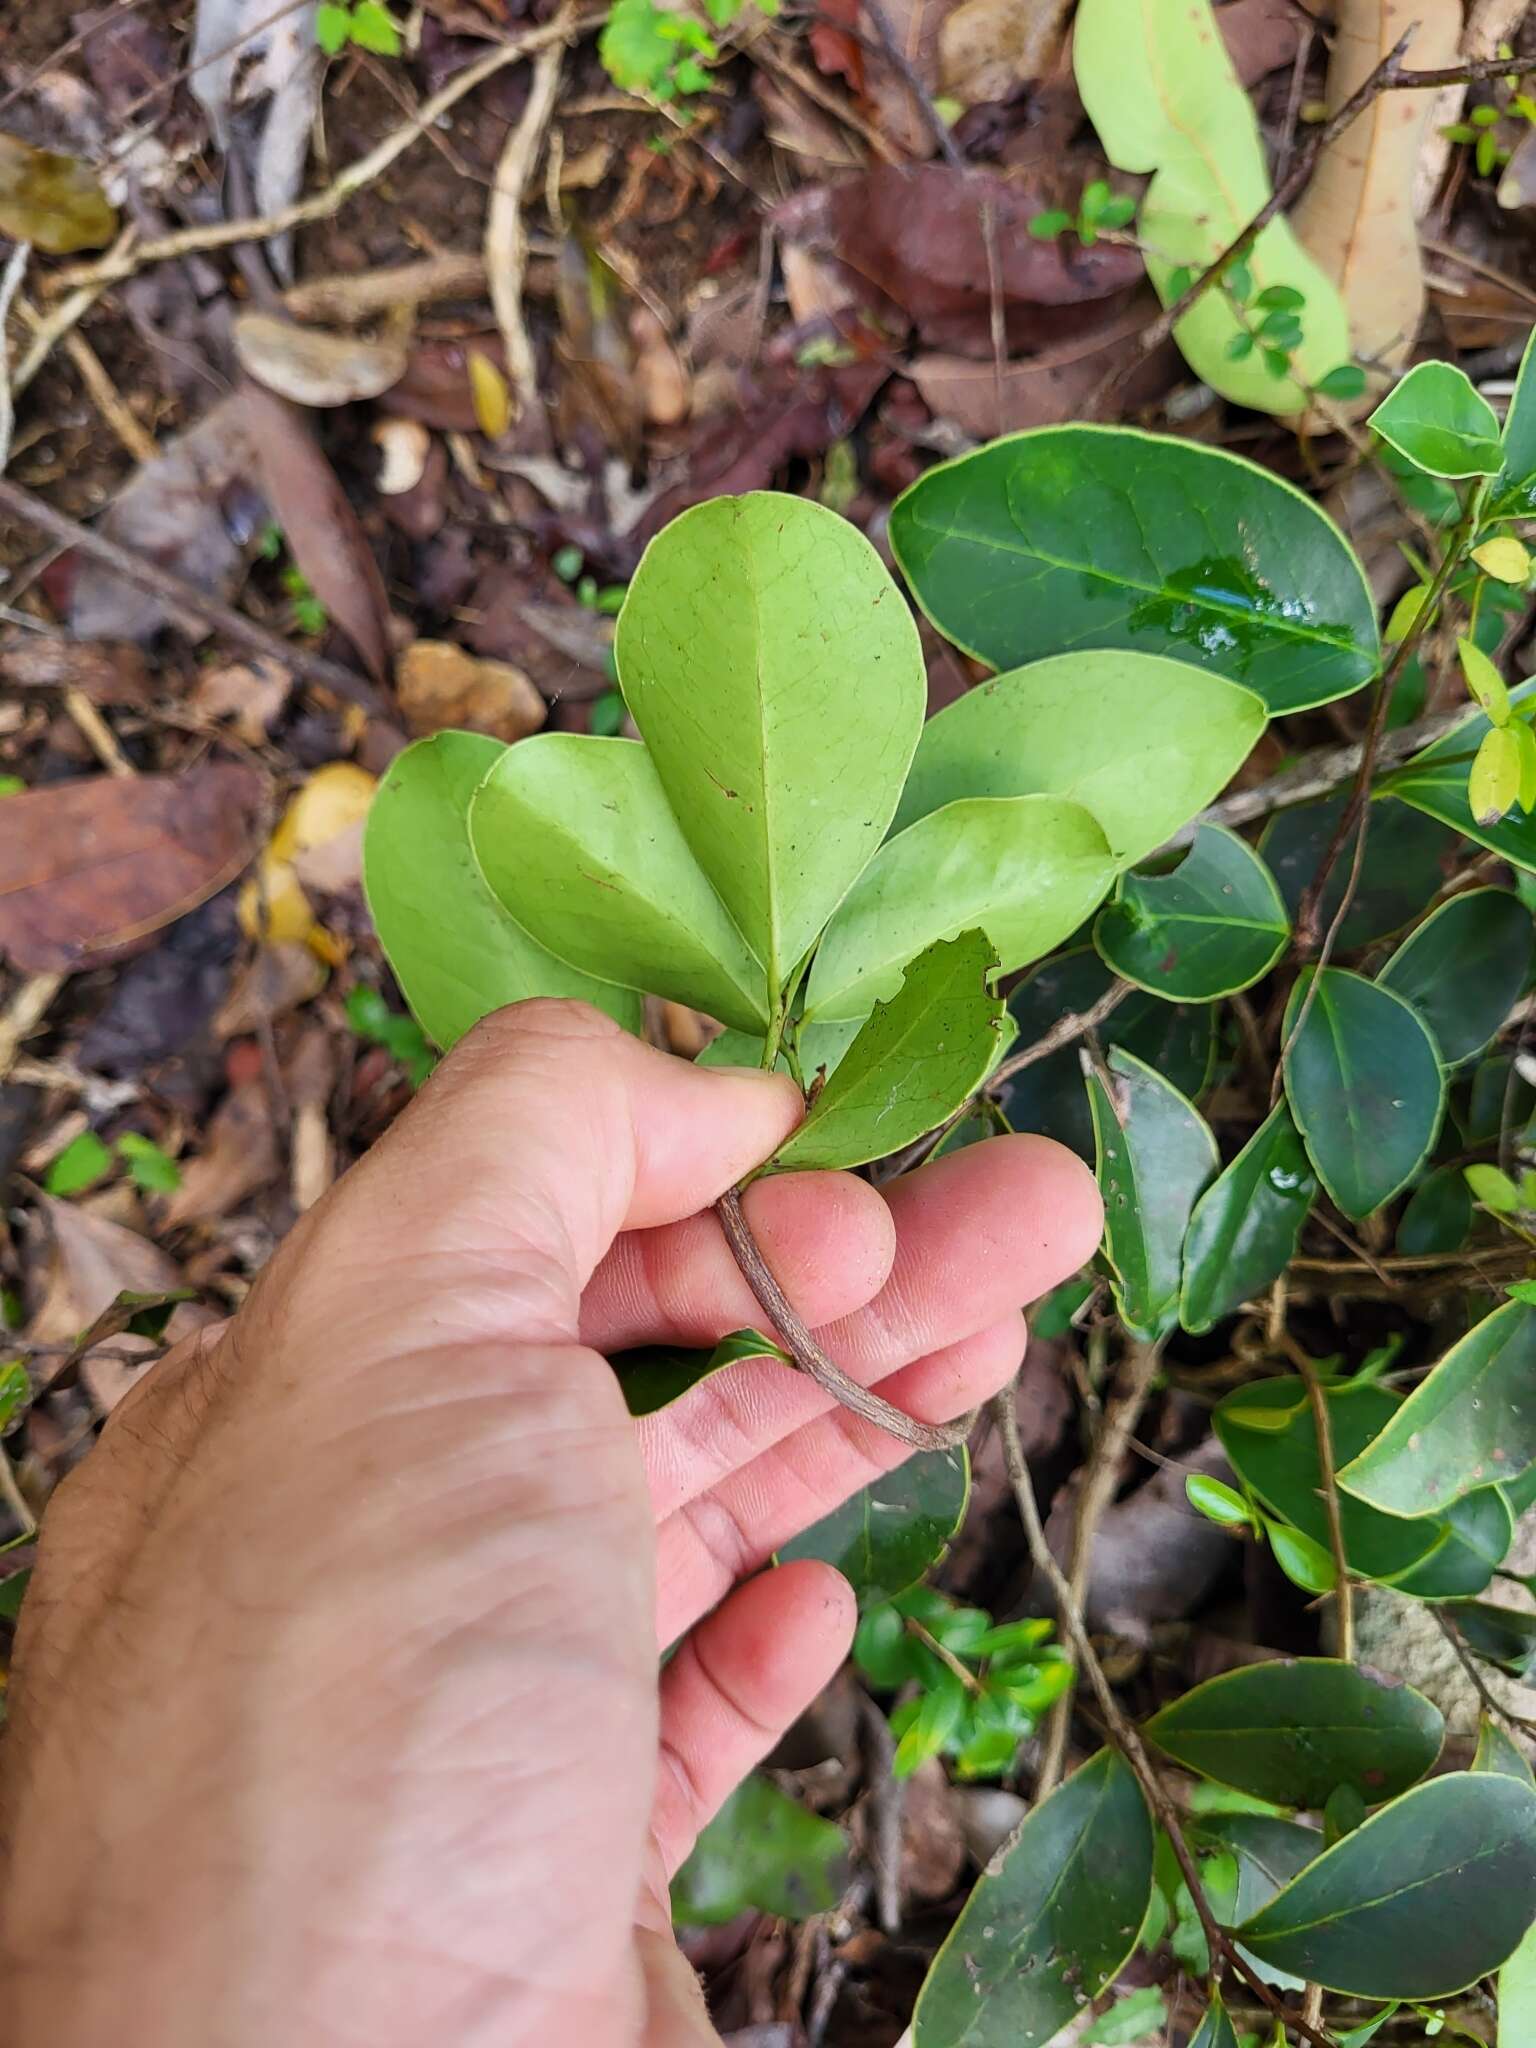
1345, 382
1245, 1226
148, 1167
1471, 1422
1365, 1084
1504, 558
1429, 1895
1217, 1502
333, 24
917, 1058
1041, 731
1493, 786
1437, 782
761, 1849
83, 1161
1290, 1732
1497, 1753
1306, 1563
1050, 1922
1155, 1154
1484, 681
455, 952
1464, 967
1215, 2030
575, 837
1130, 2020
653, 1376
1026, 870
1045, 227
893, 1530
1491, 1186
1439, 420
373, 29
1098, 537
778, 679
1215, 925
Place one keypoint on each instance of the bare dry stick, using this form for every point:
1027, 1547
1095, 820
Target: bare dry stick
1098, 1489
24, 1013
1122, 1730
353, 296
1062, 1033
808, 1354
506, 239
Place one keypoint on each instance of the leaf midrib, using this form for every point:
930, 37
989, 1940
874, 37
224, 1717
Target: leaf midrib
1383, 1899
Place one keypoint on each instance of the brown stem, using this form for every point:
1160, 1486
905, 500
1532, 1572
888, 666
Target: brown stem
1122, 1730
808, 1354
947, 1658
1344, 1595
1062, 1032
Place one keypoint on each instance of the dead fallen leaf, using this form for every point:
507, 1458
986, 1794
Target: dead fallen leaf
987, 47
273, 905
106, 671
793, 121
277, 980
261, 65
160, 1003
816, 287
440, 685
933, 1850
89, 865
1356, 216
239, 1157
1517, 186
1043, 390
1260, 36
52, 201
916, 27
435, 388
309, 1078
315, 367
250, 694
835, 45
918, 234
323, 532
90, 1261
659, 372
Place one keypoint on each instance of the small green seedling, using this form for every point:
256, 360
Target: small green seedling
401, 1037
1099, 209
86, 1160
364, 24
661, 53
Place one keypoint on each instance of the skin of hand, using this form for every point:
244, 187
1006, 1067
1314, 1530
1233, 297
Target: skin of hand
335, 1718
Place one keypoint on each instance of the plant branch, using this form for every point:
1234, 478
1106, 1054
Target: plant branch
1344, 1592
1491, 1706
907, 72
946, 1657
1122, 1730
808, 1354
506, 239
1061, 1033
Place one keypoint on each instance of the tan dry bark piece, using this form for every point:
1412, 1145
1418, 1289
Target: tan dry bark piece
1355, 218
1489, 23
987, 47
314, 367
440, 685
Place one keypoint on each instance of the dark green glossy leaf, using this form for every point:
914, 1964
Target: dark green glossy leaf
1514, 488
1269, 1853
1103, 537
1155, 1153
1435, 782
1215, 2029
1498, 1099
892, 1531
1438, 1215
1429, 1895
1215, 925
1365, 1085
11, 1591
653, 1376
1471, 1423
1290, 1732
1464, 968
1050, 1922
1441, 422
1245, 1226
1402, 869
456, 953
1505, 1636
1497, 1753
1478, 1531
761, 1849
915, 1060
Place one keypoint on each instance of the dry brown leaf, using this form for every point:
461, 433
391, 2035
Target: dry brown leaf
52, 201
239, 1157
1517, 187
440, 685
659, 372
90, 1261
1260, 36
315, 367
323, 533
816, 287
987, 47
916, 27
250, 694
793, 121
436, 388
309, 1077
106, 671
87, 866
1043, 390
255, 72
1356, 216
278, 979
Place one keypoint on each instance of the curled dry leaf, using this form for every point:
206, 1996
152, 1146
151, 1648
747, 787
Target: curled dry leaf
54, 202
250, 694
106, 671
987, 47
659, 372
277, 980
439, 685
239, 1157
315, 367
90, 1261
1356, 217
915, 26
91, 865
263, 62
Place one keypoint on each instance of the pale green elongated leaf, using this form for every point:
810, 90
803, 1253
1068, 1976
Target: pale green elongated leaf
1161, 91
1245, 1226
1215, 925
1441, 422
893, 1530
1517, 1995
1514, 488
1496, 1752
1427, 1896
917, 1058
761, 1849
776, 674
1215, 2030
1365, 1084
575, 838
1026, 870
653, 1376
1155, 1153
1093, 537
1470, 1423
1051, 1920
1181, 734
455, 952
1291, 1732
1464, 967
1436, 782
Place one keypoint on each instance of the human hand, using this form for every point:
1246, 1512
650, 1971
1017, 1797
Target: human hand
335, 1714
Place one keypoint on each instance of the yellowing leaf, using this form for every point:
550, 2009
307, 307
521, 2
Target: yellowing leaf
1160, 89
1493, 787
1405, 613
1504, 558
1484, 681
273, 905
1525, 740
52, 201
492, 399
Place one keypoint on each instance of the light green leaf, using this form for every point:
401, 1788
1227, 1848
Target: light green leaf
1470, 1423
1162, 93
1365, 1084
1496, 1752
1181, 734
1436, 782
777, 676
1514, 489
1441, 422
1051, 1921
1517, 1995
373, 28
1215, 925
575, 838
1429, 1895
1026, 870
761, 1849
1155, 1153
893, 1530
653, 1376
454, 950
1245, 1226
916, 1058
1140, 2016
1215, 2030
332, 25
1305, 1563
1096, 537
1217, 1501
83, 1161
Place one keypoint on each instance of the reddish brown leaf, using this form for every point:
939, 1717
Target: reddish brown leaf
1047, 389
87, 866
436, 389
834, 48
